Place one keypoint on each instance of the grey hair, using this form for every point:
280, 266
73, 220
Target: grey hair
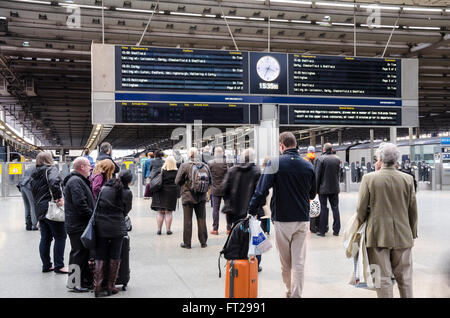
328, 147
388, 153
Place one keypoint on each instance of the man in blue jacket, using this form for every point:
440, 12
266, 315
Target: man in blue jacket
293, 181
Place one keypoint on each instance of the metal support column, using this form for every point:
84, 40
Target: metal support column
188, 136
372, 152
266, 134
393, 135
340, 137
312, 138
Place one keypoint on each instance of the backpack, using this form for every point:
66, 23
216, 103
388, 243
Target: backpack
236, 246
199, 178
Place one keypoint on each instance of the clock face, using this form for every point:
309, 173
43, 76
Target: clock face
268, 68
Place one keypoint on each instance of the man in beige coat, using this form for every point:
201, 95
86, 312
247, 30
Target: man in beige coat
387, 202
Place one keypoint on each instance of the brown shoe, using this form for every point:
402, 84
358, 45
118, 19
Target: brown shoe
98, 278
214, 232
114, 265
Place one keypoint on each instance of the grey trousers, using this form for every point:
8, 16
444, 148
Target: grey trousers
28, 202
290, 240
393, 262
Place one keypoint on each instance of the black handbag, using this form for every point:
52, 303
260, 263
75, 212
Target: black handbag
88, 236
155, 183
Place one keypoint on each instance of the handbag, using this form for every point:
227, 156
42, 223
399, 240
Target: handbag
155, 183
88, 236
54, 211
314, 208
147, 193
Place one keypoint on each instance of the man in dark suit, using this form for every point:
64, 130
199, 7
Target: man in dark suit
327, 180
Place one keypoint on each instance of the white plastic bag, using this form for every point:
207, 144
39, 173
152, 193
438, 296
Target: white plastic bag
258, 243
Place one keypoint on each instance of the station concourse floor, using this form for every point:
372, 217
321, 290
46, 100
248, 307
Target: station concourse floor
160, 268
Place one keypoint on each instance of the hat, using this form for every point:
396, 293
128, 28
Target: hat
311, 149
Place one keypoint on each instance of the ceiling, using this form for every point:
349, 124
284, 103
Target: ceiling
57, 55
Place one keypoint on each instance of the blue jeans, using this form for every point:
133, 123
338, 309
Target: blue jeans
52, 230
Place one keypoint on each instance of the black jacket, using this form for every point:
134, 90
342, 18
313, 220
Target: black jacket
155, 167
327, 174
239, 185
111, 211
166, 197
41, 189
293, 182
102, 156
78, 202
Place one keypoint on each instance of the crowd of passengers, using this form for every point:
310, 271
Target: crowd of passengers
279, 193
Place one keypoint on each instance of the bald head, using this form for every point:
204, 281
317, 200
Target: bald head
82, 166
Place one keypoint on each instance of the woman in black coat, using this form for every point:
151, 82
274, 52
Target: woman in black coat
114, 204
44, 179
157, 163
165, 200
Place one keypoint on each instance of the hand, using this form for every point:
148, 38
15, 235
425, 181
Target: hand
60, 202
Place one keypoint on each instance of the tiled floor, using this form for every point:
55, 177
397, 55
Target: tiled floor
160, 268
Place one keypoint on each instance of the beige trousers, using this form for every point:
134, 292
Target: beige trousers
290, 240
393, 262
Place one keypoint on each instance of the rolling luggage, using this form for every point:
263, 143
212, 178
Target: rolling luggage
124, 270
242, 278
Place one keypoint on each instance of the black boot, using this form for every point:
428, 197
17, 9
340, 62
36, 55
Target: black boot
114, 265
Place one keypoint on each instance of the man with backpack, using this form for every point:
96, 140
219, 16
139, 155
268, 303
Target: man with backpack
194, 178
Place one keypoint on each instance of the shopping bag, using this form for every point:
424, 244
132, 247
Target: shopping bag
258, 242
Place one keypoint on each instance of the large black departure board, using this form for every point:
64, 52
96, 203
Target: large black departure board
181, 70
344, 76
186, 113
344, 115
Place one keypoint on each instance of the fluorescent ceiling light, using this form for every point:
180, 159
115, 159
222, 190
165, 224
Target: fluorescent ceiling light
72, 5
135, 10
187, 14
292, 1
279, 20
423, 28
236, 18
422, 9
300, 21
343, 24
256, 19
375, 6
34, 1
342, 5
210, 15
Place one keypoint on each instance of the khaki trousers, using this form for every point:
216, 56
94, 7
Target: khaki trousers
392, 262
290, 240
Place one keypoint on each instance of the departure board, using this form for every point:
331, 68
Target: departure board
344, 115
186, 113
344, 76
181, 70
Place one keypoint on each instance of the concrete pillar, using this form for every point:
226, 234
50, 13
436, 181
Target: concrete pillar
188, 136
393, 135
340, 137
267, 133
8, 154
372, 151
411, 152
322, 141
312, 138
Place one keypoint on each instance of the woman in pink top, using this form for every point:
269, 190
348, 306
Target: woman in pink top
103, 171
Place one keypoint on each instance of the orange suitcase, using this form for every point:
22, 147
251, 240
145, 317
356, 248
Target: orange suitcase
242, 278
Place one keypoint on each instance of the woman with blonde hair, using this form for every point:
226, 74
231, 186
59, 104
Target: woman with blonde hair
103, 171
165, 200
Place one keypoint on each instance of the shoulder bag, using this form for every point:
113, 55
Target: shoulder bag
88, 236
155, 183
55, 212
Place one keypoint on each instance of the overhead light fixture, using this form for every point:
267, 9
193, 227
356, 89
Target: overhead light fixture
26, 44
376, 6
34, 1
134, 10
186, 14
330, 4
422, 9
423, 28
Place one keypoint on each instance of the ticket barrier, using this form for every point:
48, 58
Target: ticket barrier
10, 175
